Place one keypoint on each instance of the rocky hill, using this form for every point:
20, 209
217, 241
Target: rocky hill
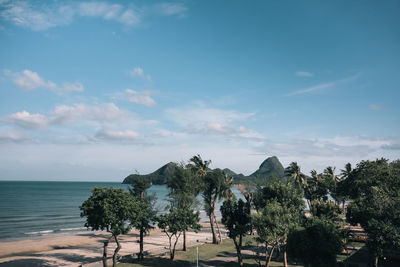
270, 169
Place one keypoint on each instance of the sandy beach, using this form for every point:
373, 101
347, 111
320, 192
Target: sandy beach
86, 248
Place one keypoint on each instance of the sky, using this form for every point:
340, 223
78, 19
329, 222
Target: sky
97, 90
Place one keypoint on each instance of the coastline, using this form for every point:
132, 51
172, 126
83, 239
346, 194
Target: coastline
87, 248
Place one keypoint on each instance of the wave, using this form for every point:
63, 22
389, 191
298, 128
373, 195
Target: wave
39, 232
73, 229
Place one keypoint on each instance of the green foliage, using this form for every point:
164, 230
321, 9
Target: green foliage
175, 222
325, 210
139, 185
271, 169
295, 176
184, 187
375, 189
285, 194
317, 187
317, 243
145, 213
236, 218
108, 209
274, 222
281, 209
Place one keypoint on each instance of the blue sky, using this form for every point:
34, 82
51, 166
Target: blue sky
96, 90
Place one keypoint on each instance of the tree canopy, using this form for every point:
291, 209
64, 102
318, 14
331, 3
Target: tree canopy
109, 209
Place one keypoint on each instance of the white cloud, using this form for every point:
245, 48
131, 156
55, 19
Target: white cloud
30, 80
172, 9
304, 74
140, 97
129, 17
375, 107
315, 88
126, 135
13, 137
323, 86
139, 72
25, 14
26, 120
198, 119
198, 115
39, 17
63, 115
72, 87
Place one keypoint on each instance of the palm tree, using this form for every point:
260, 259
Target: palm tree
199, 166
343, 189
295, 176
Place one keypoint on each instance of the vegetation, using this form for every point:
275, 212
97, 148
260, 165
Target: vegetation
145, 214
175, 222
374, 187
236, 218
270, 170
215, 185
109, 209
281, 208
316, 243
184, 188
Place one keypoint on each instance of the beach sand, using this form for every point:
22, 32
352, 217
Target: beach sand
87, 248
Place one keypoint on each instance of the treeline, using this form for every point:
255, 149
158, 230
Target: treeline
275, 213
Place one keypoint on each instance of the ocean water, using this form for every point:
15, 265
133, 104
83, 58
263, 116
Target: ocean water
34, 209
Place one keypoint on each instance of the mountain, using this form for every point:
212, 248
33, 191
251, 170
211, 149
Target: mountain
270, 169
160, 176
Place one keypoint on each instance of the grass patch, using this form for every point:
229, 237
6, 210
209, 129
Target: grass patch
206, 252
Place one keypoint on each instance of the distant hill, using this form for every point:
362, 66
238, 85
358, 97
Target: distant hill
160, 176
270, 169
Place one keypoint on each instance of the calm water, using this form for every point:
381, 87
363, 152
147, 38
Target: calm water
33, 209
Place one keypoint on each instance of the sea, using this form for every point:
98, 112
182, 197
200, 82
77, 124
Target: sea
33, 209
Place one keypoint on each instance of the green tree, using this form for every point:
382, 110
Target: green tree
317, 243
236, 218
294, 175
375, 190
184, 188
325, 210
281, 209
145, 215
317, 188
215, 185
175, 222
109, 209
273, 224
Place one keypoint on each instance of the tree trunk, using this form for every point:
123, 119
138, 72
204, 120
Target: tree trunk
116, 251
214, 234
105, 252
219, 232
376, 261
238, 252
184, 241
284, 258
268, 261
173, 250
141, 244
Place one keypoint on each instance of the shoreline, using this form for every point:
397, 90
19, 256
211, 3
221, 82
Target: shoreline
87, 248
